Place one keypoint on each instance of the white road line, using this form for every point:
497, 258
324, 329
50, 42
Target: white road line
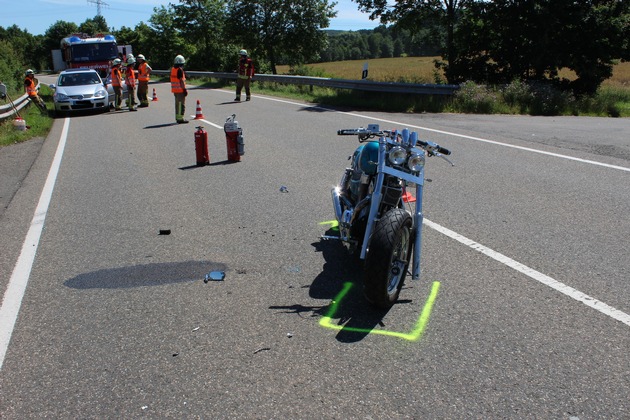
591, 162
538, 276
16, 288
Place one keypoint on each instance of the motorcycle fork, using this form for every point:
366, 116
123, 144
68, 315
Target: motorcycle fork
418, 217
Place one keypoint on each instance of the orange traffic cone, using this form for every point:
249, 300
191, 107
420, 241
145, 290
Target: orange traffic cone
408, 198
155, 98
198, 112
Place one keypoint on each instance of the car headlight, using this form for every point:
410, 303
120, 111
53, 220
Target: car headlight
416, 162
397, 155
101, 93
60, 97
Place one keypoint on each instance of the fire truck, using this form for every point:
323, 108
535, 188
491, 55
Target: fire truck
93, 52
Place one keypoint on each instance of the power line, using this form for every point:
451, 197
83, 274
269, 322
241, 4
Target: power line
98, 4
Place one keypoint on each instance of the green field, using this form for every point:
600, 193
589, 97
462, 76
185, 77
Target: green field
421, 70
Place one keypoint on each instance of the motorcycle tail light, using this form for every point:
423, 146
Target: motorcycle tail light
397, 155
416, 162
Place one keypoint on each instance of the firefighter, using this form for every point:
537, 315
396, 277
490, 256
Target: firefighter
116, 77
30, 86
130, 81
144, 73
245, 74
178, 88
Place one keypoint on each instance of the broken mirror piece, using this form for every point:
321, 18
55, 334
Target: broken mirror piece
214, 276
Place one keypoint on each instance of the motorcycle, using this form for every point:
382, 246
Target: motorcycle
369, 206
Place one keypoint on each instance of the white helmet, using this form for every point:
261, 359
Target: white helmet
129, 56
180, 59
140, 57
131, 60
117, 61
242, 52
29, 72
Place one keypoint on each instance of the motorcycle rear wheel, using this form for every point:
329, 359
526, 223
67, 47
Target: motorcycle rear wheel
388, 258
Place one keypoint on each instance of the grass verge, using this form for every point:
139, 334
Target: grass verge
39, 125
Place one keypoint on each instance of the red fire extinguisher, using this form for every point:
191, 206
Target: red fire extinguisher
201, 146
234, 139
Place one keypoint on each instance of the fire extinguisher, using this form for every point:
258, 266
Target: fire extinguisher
234, 139
201, 146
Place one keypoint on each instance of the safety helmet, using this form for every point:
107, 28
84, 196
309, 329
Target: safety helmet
131, 60
180, 60
140, 57
117, 61
29, 72
129, 56
242, 52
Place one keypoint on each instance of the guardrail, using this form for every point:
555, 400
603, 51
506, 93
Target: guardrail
368, 85
7, 111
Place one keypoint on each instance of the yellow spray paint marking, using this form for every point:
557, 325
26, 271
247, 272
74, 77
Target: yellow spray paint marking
414, 335
334, 224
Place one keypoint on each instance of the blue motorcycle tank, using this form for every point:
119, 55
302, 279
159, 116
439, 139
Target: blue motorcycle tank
365, 158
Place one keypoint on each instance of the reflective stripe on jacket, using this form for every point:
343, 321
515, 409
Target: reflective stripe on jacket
245, 68
116, 76
130, 79
143, 72
176, 83
31, 89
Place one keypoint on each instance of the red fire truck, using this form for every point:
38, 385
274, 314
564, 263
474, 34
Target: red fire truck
84, 51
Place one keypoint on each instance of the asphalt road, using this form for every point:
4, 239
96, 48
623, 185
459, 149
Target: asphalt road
521, 311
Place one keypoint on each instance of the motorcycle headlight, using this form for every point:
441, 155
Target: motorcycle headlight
397, 155
416, 162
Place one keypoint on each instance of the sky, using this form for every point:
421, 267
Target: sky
38, 15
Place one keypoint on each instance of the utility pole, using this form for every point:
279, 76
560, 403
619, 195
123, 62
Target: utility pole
98, 4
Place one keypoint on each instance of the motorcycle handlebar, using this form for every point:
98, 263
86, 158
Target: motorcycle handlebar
434, 147
430, 147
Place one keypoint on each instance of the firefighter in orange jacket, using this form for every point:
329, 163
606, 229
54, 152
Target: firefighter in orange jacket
178, 88
31, 89
130, 81
245, 74
144, 73
116, 77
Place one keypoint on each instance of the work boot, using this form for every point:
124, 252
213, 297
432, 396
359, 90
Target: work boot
249, 98
237, 99
182, 121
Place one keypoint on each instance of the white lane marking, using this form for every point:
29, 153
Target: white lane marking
16, 288
536, 275
591, 162
212, 124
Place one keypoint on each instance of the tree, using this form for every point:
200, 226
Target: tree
532, 40
419, 14
168, 38
201, 21
94, 26
53, 36
280, 30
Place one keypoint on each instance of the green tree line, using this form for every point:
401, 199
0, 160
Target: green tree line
492, 42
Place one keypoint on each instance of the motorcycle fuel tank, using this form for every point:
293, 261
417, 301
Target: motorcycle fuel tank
365, 158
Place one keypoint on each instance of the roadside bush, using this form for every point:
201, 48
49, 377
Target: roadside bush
475, 99
518, 96
549, 100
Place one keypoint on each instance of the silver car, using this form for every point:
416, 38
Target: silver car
80, 90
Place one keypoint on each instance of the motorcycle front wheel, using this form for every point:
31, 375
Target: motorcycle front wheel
388, 258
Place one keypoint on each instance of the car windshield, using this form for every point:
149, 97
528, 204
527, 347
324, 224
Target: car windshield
79, 79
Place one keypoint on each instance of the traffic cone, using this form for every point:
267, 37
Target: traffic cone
155, 98
198, 112
408, 198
